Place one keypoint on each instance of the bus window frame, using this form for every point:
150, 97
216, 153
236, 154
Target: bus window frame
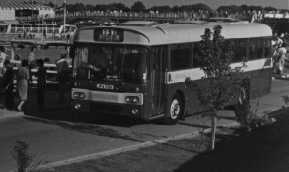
248, 55
191, 56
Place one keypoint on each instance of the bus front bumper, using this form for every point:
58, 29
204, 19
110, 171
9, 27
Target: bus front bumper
108, 108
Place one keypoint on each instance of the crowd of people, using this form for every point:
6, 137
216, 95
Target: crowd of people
15, 83
251, 14
280, 54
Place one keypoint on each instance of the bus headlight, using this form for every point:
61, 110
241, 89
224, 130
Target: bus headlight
132, 99
78, 95
77, 106
127, 99
134, 111
135, 100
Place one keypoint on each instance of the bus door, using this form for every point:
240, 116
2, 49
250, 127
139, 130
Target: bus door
158, 66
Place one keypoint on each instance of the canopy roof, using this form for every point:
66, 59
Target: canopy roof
23, 4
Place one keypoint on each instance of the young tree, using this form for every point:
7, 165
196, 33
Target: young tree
223, 84
22, 156
26, 161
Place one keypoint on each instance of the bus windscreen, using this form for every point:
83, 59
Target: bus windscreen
104, 63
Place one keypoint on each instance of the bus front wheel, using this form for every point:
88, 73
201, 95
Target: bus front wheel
175, 110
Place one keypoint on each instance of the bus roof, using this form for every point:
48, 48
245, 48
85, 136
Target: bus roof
161, 34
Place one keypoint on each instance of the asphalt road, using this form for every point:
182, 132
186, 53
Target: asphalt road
52, 140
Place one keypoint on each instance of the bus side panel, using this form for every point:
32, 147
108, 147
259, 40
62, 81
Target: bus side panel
260, 85
260, 82
189, 93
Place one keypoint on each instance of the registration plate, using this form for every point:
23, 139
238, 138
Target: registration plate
105, 86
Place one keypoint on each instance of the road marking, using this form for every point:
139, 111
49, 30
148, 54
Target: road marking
114, 151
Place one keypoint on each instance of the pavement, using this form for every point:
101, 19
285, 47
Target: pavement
60, 143
6, 114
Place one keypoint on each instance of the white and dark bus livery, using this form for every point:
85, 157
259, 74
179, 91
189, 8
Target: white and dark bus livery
141, 71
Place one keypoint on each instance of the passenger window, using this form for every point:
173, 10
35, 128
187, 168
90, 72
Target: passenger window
181, 57
241, 50
236, 50
260, 51
252, 49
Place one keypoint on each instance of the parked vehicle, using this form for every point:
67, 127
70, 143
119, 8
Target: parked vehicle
141, 70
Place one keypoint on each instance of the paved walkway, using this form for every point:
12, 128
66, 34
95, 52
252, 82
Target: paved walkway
4, 113
273, 101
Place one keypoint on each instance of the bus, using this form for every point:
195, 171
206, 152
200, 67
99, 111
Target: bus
141, 71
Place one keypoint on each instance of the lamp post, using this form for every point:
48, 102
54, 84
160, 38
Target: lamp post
64, 13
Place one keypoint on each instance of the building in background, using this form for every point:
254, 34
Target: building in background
24, 9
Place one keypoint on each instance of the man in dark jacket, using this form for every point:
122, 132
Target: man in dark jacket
63, 77
8, 78
41, 84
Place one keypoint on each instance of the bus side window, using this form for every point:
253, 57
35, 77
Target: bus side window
260, 48
242, 50
252, 49
196, 56
181, 57
233, 45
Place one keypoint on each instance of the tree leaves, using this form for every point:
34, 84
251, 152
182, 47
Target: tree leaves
215, 55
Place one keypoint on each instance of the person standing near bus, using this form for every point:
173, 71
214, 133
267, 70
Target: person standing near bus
281, 58
31, 56
31, 62
63, 77
8, 78
3, 56
41, 84
22, 83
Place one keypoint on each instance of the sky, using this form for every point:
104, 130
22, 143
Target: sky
281, 4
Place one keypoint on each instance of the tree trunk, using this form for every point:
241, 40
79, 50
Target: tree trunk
21, 169
214, 128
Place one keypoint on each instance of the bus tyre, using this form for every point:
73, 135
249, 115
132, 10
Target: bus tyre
175, 110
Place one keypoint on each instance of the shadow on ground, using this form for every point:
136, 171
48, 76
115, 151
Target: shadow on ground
62, 112
266, 149
88, 123
88, 129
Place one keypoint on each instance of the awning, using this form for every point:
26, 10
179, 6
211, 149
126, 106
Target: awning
6, 22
